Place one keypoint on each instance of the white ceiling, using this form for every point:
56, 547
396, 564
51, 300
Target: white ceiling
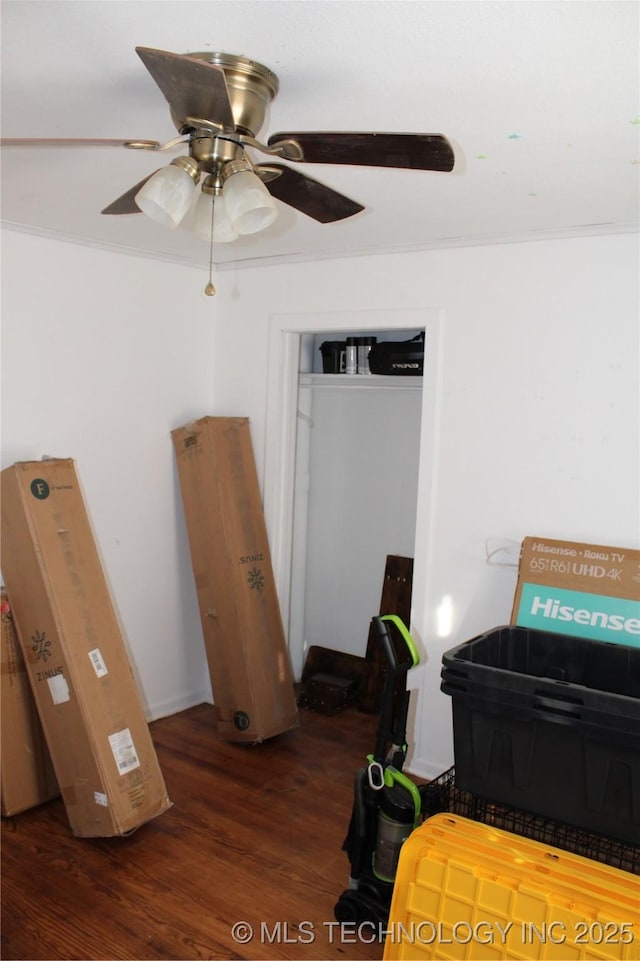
540, 100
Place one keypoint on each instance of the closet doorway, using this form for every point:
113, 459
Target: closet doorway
355, 496
328, 591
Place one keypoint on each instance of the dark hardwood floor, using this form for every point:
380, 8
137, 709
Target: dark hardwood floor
254, 836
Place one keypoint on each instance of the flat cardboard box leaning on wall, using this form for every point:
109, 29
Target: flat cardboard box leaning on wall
584, 590
247, 654
75, 655
27, 777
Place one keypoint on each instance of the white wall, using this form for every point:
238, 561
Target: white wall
534, 428
363, 476
102, 355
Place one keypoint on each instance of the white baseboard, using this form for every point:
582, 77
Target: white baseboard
425, 768
166, 708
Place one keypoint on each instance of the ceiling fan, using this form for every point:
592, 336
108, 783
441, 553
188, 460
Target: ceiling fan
218, 104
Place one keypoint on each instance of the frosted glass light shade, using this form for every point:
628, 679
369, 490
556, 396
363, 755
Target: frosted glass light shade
249, 204
223, 231
166, 196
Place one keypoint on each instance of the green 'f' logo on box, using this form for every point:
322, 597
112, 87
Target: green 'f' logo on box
39, 488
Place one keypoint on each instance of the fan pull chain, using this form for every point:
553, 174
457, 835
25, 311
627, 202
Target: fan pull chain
210, 289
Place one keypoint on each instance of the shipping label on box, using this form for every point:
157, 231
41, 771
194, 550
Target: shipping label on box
584, 590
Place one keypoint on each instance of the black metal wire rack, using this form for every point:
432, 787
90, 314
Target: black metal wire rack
442, 794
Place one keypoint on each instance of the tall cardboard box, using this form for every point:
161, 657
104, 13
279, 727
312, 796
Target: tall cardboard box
26, 773
584, 590
81, 679
246, 649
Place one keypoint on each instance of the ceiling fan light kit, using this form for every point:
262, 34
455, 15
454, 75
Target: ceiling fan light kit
167, 195
210, 204
249, 204
218, 103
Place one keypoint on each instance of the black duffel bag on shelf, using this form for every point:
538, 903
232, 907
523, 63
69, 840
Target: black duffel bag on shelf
400, 357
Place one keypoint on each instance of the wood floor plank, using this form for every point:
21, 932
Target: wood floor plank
253, 837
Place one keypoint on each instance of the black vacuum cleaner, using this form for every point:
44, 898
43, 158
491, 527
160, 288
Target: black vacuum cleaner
387, 804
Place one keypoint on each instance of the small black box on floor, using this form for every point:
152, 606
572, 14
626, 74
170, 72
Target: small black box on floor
327, 693
550, 724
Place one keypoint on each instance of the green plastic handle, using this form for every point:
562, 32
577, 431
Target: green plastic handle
415, 657
391, 775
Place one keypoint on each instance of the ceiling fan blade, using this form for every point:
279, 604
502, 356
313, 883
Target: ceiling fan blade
414, 151
60, 142
309, 196
126, 203
192, 88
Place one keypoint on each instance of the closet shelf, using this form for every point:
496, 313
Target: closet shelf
361, 381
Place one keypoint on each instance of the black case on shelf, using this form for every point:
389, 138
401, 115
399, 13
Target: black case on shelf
400, 358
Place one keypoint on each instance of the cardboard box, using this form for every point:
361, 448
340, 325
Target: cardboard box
247, 654
26, 773
584, 590
77, 665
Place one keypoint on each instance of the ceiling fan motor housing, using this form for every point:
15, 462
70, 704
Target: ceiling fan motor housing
251, 86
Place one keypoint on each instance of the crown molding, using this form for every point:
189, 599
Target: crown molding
311, 256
